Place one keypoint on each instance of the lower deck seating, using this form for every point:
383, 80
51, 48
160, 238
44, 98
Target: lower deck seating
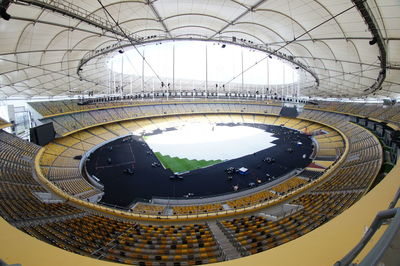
76, 186
132, 243
256, 234
60, 164
143, 208
256, 198
289, 185
197, 209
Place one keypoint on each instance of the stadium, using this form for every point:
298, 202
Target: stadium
195, 132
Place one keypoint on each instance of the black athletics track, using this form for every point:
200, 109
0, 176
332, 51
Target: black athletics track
123, 189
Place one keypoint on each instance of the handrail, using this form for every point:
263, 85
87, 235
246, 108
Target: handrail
377, 252
376, 224
395, 199
235, 243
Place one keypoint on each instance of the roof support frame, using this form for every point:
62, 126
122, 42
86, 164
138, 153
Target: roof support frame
244, 13
290, 18
80, 14
159, 19
262, 48
369, 19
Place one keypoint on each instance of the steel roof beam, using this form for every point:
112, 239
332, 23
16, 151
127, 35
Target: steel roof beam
76, 12
159, 19
250, 9
373, 27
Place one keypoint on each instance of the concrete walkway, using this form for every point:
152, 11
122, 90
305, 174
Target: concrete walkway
229, 250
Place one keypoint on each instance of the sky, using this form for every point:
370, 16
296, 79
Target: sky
224, 64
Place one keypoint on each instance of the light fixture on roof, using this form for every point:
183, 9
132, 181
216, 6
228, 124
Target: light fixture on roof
373, 41
121, 51
4, 4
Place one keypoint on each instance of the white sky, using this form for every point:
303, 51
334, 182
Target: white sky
190, 63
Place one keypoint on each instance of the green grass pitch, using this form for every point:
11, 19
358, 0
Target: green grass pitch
178, 165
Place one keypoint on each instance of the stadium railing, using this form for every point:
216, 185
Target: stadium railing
378, 252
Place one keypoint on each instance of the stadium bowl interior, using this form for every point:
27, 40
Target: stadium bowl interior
86, 86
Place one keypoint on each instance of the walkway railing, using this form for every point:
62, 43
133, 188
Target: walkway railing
380, 248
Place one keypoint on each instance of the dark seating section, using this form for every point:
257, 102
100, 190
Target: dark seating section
378, 111
311, 175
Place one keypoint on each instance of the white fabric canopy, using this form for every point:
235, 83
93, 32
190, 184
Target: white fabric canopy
43, 43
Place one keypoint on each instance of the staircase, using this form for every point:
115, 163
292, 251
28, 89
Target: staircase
228, 249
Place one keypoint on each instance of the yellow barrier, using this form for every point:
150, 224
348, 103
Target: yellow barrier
5, 125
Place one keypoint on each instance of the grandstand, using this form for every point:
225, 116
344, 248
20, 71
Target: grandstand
321, 78
337, 181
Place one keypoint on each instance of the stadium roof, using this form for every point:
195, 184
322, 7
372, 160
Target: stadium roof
353, 47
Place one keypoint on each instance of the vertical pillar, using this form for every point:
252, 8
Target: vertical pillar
294, 94
109, 80
143, 72
173, 67
283, 80
114, 85
241, 51
131, 84
193, 92
206, 72
268, 78
122, 74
